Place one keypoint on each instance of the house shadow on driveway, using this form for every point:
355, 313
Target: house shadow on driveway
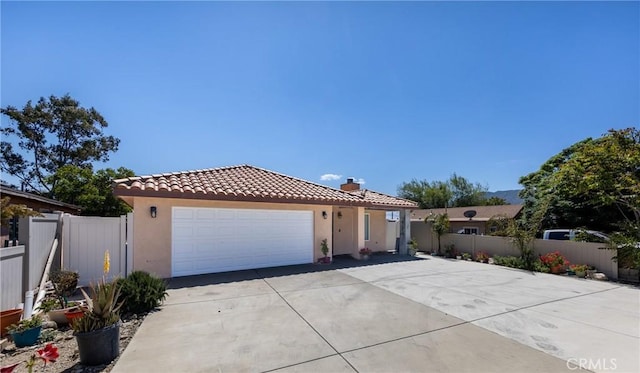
339, 262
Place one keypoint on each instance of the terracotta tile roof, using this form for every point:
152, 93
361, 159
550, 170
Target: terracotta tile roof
381, 199
248, 183
483, 213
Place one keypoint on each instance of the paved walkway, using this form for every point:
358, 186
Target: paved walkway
389, 316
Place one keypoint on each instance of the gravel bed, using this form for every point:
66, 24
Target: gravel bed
67, 348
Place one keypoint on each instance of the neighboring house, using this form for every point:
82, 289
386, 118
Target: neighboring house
36, 202
32, 201
458, 222
243, 217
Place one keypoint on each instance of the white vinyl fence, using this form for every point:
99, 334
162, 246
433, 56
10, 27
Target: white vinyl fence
11, 268
37, 234
85, 241
22, 267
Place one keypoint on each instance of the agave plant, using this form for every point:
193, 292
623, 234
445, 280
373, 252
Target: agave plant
103, 308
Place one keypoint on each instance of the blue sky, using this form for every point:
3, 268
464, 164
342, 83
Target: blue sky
380, 91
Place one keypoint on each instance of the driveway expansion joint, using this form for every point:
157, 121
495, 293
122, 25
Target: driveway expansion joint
312, 328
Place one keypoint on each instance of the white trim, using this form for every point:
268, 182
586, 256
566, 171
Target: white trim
477, 230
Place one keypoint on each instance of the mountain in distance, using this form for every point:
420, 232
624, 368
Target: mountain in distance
511, 196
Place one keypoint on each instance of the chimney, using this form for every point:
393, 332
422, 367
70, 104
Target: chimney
350, 185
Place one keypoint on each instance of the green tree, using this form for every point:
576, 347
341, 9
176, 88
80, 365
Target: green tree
92, 191
455, 192
498, 225
439, 225
49, 135
466, 193
495, 201
9, 211
522, 233
594, 183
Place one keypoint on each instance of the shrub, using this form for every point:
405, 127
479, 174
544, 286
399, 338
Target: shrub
539, 266
481, 256
554, 261
141, 292
509, 261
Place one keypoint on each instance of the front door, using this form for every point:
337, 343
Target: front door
343, 230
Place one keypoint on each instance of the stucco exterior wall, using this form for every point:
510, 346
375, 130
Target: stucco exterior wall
152, 237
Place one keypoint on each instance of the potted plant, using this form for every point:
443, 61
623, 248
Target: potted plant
324, 247
56, 309
64, 285
580, 270
466, 256
26, 332
9, 317
97, 332
364, 253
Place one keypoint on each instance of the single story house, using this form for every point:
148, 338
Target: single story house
36, 202
465, 220
243, 217
461, 223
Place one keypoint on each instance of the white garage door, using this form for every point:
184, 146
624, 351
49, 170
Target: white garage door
207, 240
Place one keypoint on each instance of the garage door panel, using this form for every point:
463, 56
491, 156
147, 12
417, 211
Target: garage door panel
207, 240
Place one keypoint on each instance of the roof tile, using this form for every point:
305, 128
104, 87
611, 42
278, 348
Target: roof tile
249, 183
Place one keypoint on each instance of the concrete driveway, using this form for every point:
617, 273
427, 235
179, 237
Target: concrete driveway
389, 316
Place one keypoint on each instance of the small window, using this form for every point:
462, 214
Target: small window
493, 229
470, 230
366, 227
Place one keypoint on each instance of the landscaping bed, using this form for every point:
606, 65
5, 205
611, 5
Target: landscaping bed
63, 339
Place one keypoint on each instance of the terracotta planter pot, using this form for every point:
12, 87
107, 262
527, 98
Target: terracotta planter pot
59, 315
7, 318
74, 313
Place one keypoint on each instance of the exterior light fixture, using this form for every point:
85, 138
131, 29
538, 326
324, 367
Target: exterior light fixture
324, 214
153, 211
339, 214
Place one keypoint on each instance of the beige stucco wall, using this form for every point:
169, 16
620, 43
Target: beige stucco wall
152, 237
348, 230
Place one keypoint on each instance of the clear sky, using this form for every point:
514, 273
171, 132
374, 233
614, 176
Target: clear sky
380, 91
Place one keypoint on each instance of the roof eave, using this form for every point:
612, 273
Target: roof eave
123, 192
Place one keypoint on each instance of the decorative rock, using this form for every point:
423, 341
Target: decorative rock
10, 348
600, 276
49, 325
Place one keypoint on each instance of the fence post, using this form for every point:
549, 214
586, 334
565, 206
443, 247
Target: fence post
130, 248
64, 250
24, 237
